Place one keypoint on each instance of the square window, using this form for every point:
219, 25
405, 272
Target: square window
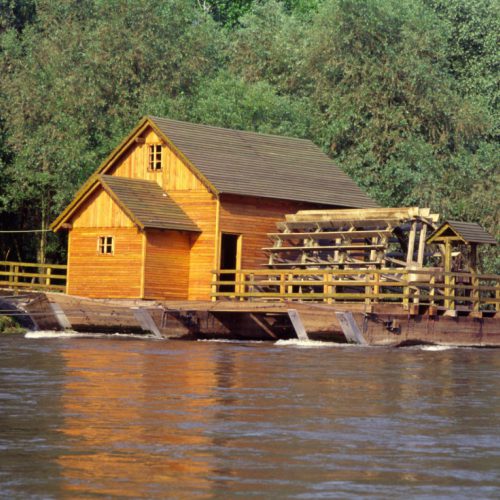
155, 157
105, 245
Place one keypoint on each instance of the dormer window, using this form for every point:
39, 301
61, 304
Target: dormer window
155, 157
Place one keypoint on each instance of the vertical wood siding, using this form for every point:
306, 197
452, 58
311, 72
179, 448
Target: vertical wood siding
174, 176
105, 276
200, 207
167, 265
101, 211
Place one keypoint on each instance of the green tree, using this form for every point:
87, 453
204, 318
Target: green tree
78, 78
229, 101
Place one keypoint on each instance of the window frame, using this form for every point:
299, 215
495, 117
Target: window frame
155, 157
105, 245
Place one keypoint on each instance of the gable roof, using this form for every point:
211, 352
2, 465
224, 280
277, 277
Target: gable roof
262, 165
143, 201
148, 205
468, 232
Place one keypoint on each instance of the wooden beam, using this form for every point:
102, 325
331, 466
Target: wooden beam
262, 325
411, 243
421, 244
357, 214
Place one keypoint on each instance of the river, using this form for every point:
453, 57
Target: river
124, 417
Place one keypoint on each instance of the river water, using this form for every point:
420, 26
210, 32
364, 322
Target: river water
121, 417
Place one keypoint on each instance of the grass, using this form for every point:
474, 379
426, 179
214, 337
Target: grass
10, 325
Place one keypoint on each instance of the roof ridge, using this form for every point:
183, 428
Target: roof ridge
204, 125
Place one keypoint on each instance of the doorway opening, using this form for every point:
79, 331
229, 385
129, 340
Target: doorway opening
230, 258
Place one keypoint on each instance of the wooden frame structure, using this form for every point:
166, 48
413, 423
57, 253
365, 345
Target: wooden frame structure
352, 238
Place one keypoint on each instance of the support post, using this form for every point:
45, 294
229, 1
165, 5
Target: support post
350, 328
297, 324
421, 245
411, 243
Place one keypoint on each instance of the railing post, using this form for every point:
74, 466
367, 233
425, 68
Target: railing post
475, 292
282, 286
406, 291
251, 286
452, 292
497, 296
368, 289
432, 290
16, 279
240, 284
327, 288
47, 279
214, 286
289, 288
376, 287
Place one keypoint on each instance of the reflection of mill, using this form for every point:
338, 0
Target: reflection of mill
135, 421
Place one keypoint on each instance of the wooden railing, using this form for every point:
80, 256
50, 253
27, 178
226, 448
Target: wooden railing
432, 287
30, 276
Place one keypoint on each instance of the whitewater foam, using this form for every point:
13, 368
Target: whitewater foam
308, 343
52, 334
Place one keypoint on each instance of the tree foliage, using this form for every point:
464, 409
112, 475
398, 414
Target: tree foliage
403, 94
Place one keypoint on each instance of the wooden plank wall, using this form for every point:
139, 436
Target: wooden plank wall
100, 210
166, 269
254, 218
105, 276
201, 207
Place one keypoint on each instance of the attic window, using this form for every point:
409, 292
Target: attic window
155, 157
105, 245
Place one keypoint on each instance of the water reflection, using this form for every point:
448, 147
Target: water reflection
136, 420
205, 420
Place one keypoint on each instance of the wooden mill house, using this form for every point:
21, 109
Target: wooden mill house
176, 201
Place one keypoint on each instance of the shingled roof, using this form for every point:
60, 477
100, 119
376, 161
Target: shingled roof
147, 204
469, 232
263, 165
